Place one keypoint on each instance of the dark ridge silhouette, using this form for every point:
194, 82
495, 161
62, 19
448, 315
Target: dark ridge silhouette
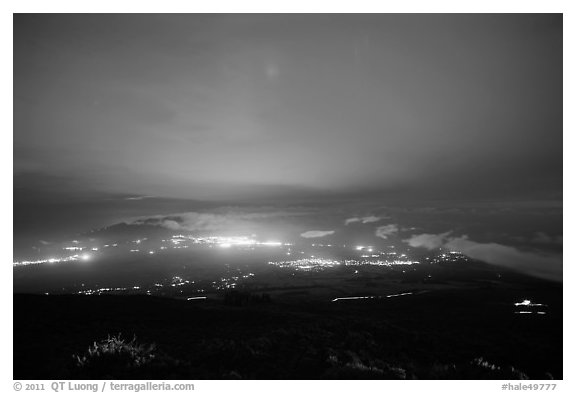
451, 334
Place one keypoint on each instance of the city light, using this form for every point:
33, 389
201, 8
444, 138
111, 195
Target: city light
529, 303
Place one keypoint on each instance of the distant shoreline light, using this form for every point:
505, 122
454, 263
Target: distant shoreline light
76, 257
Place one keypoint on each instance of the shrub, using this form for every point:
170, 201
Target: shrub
117, 358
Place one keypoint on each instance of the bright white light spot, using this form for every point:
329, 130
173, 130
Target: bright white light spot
529, 303
85, 257
225, 245
272, 244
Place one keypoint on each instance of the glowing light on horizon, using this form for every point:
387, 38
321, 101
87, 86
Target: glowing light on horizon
271, 244
223, 241
316, 264
71, 258
529, 303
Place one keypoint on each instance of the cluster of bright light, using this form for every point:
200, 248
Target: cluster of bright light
379, 262
103, 290
306, 264
530, 312
179, 281
230, 282
528, 303
452, 256
320, 263
177, 241
365, 248
75, 257
224, 241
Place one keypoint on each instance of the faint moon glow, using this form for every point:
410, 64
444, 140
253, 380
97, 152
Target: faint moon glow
272, 71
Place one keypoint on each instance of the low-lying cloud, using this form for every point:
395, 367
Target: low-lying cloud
428, 240
231, 220
386, 230
548, 266
364, 220
312, 234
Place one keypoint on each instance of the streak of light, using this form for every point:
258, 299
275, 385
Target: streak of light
197, 298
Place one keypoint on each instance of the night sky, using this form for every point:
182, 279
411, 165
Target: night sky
452, 123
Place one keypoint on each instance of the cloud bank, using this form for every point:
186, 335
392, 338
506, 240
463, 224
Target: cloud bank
428, 240
312, 234
386, 230
364, 220
548, 266
231, 220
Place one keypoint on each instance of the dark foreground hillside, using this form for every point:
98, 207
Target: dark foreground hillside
462, 334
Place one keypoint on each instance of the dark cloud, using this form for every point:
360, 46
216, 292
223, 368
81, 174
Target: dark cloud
229, 106
448, 123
